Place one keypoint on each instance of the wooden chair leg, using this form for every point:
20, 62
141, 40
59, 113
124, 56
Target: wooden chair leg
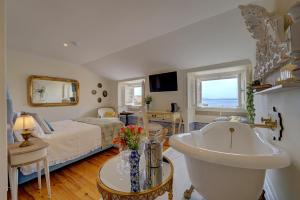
262, 196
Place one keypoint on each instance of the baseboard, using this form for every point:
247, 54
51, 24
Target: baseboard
269, 189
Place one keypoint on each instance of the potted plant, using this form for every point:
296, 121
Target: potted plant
130, 138
148, 100
250, 104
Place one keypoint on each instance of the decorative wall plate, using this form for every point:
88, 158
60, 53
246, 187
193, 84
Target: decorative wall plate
94, 92
99, 100
99, 85
105, 93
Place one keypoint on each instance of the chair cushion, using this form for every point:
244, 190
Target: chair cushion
109, 114
102, 111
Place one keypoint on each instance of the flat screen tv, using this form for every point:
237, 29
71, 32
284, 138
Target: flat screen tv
163, 82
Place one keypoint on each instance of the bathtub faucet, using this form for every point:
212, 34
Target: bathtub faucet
267, 123
231, 130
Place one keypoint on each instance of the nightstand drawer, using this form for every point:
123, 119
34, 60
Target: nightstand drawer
160, 116
27, 158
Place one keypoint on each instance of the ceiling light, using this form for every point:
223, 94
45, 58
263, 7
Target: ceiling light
70, 43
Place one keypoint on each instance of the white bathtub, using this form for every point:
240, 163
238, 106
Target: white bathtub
222, 167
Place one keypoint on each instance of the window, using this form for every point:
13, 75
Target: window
132, 93
220, 93
221, 90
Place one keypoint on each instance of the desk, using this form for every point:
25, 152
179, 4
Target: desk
173, 117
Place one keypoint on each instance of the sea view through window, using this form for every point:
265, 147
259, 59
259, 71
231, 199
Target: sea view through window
221, 93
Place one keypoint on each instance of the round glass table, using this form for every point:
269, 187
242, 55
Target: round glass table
114, 182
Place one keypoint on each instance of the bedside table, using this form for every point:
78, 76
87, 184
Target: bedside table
20, 156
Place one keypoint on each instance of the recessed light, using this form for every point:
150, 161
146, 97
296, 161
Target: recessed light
70, 43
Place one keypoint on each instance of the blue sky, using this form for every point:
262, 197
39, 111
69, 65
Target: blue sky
220, 89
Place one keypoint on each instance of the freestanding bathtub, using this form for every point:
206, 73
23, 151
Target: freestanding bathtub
228, 160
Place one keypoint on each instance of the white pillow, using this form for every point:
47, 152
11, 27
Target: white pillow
38, 131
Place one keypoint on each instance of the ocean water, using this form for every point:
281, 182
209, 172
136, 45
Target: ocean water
226, 103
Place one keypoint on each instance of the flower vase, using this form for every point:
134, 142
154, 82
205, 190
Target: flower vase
134, 160
148, 106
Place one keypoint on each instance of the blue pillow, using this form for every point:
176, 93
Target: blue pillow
49, 125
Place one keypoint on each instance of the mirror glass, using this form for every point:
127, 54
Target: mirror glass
52, 91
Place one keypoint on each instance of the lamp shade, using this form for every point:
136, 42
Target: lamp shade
24, 122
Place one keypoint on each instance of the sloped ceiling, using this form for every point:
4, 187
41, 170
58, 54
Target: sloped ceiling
126, 38
219, 39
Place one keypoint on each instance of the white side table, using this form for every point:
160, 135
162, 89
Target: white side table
20, 156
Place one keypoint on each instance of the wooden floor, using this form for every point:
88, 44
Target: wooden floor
76, 181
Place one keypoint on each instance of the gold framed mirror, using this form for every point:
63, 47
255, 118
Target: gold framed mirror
45, 91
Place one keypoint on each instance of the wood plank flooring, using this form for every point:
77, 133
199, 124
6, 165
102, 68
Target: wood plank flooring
73, 182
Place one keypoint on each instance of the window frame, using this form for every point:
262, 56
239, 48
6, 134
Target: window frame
219, 76
133, 82
133, 85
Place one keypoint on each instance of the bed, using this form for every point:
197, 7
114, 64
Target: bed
73, 140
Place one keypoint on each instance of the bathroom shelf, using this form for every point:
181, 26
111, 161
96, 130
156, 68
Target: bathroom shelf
280, 88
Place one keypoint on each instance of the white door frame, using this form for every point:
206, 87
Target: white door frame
3, 121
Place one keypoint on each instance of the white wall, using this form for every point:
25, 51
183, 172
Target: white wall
284, 183
162, 100
3, 135
21, 65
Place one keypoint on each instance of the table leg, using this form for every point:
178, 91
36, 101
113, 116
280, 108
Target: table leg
174, 127
179, 125
170, 195
13, 179
126, 120
38, 166
46, 167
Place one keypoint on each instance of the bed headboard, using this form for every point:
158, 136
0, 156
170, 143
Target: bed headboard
11, 116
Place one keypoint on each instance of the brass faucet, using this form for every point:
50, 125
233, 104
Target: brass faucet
267, 123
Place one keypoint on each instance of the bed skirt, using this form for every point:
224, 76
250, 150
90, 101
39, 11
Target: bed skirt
25, 178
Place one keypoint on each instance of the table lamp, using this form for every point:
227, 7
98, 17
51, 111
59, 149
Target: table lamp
25, 124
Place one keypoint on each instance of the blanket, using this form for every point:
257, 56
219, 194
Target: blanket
109, 127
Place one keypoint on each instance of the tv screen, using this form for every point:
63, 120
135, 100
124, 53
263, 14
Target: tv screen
163, 82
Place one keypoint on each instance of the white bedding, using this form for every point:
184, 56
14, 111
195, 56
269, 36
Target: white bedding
70, 140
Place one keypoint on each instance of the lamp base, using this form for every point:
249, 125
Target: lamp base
26, 135
25, 143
